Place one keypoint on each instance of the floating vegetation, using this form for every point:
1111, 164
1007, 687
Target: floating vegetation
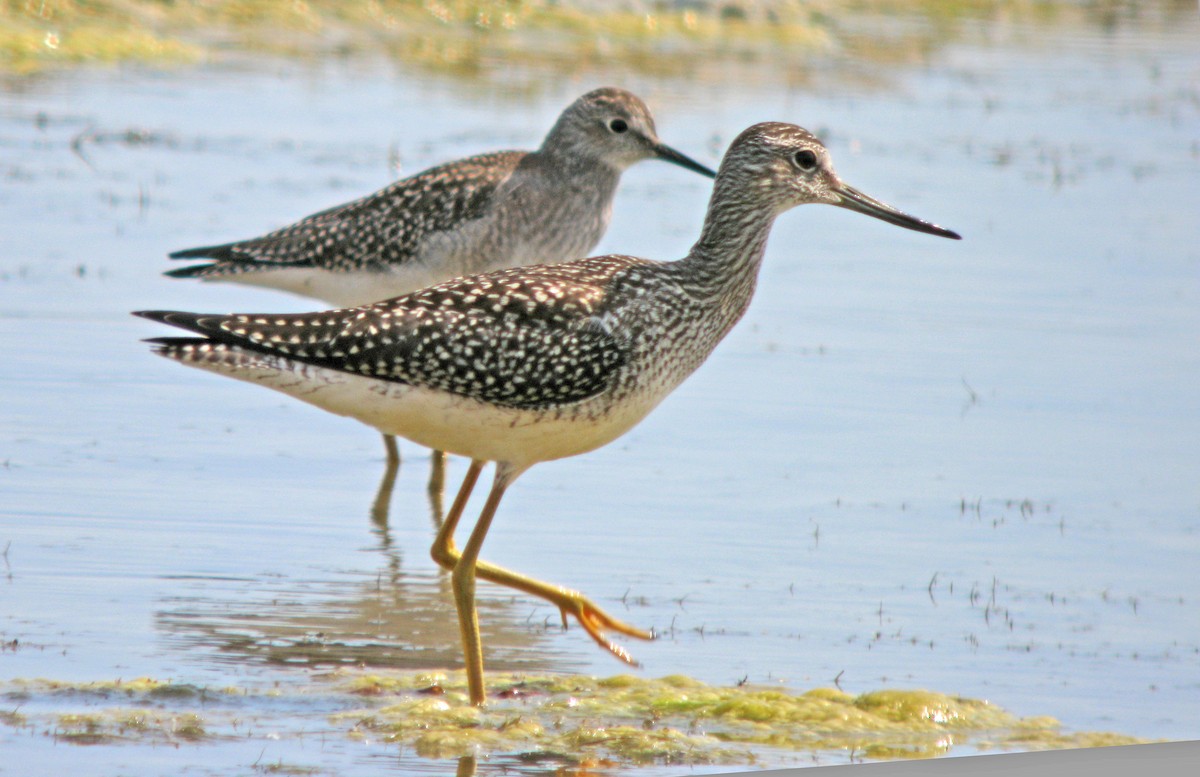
461, 36
112, 726
36, 35
516, 40
139, 686
568, 720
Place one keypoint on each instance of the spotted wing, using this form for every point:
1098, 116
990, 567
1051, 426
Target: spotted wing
382, 229
523, 338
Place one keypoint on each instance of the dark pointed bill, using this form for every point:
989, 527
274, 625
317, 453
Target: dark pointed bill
668, 154
853, 199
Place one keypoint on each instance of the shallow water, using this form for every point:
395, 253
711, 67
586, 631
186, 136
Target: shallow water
969, 467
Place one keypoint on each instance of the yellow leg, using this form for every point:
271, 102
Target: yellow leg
437, 473
437, 485
393, 451
592, 618
463, 580
445, 536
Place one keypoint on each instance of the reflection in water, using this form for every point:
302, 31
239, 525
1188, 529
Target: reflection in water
381, 505
387, 484
381, 618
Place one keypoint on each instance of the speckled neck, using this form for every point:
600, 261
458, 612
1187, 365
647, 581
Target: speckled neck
723, 264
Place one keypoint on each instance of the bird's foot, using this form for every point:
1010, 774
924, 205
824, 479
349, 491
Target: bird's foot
596, 622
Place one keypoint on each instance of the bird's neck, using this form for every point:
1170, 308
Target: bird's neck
580, 171
723, 264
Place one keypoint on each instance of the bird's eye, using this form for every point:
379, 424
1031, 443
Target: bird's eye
806, 160
618, 125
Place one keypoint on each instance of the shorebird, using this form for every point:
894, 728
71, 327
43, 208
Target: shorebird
527, 365
486, 212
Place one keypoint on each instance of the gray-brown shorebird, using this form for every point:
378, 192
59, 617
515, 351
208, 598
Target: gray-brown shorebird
526, 365
482, 213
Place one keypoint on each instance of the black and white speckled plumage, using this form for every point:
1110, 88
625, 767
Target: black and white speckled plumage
504, 209
513, 338
371, 233
546, 338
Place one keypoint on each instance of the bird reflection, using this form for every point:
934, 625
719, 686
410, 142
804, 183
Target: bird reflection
382, 616
435, 490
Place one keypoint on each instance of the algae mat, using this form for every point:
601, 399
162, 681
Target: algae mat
535, 723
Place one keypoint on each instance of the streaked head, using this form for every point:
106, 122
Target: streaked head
613, 127
782, 165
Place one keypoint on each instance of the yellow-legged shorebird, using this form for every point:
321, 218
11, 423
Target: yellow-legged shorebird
526, 365
471, 216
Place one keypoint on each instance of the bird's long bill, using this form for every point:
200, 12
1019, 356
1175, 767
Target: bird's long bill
668, 154
853, 199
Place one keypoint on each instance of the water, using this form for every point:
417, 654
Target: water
968, 467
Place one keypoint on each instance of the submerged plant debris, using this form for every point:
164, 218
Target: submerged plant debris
567, 720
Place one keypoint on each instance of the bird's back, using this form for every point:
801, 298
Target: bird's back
378, 235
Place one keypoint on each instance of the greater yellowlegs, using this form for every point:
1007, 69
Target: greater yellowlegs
482, 213
526, 365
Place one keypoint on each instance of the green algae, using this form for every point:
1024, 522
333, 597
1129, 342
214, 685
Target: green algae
282, 768
114, 725
460, 36
576, 721
676, 719
147, 686
36, 35
513, 38
13, 718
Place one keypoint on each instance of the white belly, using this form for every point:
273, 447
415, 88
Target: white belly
340, 289
435, 419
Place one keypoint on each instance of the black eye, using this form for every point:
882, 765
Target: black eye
618, 125
806, 160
